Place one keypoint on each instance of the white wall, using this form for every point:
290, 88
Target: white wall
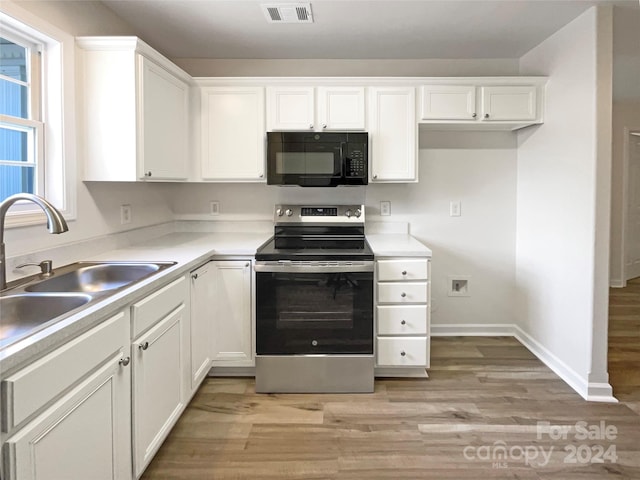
98, 205
479, 169
559, 248
626, 114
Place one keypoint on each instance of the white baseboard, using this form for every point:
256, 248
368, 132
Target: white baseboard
473, 330
590, 391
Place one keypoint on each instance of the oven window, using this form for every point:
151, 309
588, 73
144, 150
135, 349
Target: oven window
305, 313
305, 163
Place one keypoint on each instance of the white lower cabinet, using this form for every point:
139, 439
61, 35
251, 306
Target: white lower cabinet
161, 380
71, 410
402, 315
233, 341
201, 331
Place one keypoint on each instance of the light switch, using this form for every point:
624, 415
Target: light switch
455, 208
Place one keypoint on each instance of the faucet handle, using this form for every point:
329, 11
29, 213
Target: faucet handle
46, 266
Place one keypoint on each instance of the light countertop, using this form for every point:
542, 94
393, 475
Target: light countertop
397, 245
189, 251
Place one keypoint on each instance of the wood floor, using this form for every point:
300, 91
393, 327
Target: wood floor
476, 417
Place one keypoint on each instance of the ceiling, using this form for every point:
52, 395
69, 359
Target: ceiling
363, 29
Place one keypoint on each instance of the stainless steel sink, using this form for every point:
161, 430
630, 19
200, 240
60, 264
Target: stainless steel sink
94, 278
24, 313
36, 302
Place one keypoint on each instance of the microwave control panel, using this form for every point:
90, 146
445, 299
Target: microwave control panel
356, 162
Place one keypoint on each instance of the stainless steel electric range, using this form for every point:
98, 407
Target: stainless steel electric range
314, 302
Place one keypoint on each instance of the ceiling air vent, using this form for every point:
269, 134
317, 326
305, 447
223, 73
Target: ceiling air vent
288, 12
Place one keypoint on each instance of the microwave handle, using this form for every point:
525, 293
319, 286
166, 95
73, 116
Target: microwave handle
342, 160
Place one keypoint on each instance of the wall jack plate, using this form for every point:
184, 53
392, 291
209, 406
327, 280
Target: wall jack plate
458, 286
385, 207
214, 208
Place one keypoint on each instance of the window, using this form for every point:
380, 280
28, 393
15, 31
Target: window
21, 160
37, 114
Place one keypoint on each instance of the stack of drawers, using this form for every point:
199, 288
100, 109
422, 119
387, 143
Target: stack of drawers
402, 312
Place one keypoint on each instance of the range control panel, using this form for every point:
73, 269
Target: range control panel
319, 214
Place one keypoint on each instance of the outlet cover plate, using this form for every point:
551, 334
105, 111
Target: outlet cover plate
458, 285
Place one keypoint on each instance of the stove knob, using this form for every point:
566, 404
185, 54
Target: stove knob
348, 213
289, 212
279, 212
358, 213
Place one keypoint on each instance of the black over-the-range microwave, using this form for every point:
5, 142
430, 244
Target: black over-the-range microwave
317, 159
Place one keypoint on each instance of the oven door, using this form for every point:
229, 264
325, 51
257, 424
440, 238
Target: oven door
309, 164
317, 308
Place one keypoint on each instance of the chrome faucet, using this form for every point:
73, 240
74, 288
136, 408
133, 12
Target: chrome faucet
55, 224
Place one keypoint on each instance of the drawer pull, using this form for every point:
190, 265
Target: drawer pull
403, 322
403, 353
404, 272
124, 361
403, 294
143, 346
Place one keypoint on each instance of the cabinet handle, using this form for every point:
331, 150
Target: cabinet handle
486, 115
143, 346
194, 276
404, 272
403, 294
474, 115
147, 174
311, 126
403, 353
262, 175
375, 176
124, 361
324, 125
247, 264
403, 322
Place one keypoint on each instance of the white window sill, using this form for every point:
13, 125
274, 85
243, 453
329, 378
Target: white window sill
29, 218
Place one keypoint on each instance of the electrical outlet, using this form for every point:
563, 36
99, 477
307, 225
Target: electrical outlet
455, 208
385, 208
458, 286
214, 208
125, 214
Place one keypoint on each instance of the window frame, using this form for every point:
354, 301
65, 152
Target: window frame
55, 147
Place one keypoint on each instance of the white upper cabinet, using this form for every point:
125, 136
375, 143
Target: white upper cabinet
491, 103
290, 108
392, 134
294, 108
449, 102
232, 133
508, 103
341, 108
136, 112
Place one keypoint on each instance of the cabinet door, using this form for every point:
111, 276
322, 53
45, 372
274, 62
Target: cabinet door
508, 103
85, 434
163, 149
233, 133
158, 385
290, 108
201, 332
233, 324
392, 138
448, 102
341, 108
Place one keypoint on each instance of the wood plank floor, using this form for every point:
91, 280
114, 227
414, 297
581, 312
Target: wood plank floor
484, 395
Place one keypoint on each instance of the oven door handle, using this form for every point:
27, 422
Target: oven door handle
284, 267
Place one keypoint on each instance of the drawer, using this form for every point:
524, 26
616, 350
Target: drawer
402, 351
33, 387
402, 269
158, 305
414, 292
402, 319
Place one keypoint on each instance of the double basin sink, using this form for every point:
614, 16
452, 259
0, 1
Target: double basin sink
42, 300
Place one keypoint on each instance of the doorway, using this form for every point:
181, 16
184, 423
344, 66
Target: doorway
631, 206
